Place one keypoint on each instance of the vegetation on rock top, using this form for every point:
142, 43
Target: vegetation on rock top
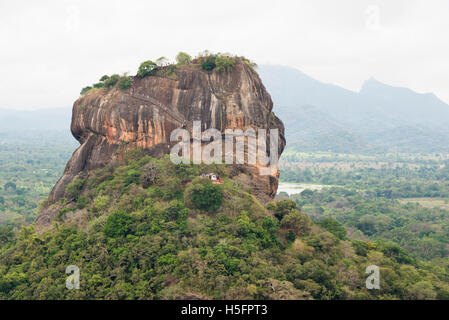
161, 67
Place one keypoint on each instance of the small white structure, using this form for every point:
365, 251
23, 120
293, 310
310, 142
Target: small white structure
212, 176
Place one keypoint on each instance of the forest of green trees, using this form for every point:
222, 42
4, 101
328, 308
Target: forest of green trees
137, 232
148, 229
402, 204
30, 165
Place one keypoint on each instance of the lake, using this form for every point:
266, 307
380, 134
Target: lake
295, 188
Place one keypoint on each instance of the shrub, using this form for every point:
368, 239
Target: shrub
168, 71
394, 251
73, 190
283, 208
101, 203
132, 176
172, 188
81, 202
422, 290
297, 222
175, 211
291, 236
360, 247
224, 63
104, 78
249, 63
11, 280
209, 63
63, 211
334, 227
112, 80
147, 68
98, 85
204, 195
85, 89
6, 234
270, 224
150, 174
118, 225
124, 83
167, 259
183, 58
171, 69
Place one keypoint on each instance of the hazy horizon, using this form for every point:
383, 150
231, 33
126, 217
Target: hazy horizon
51, 49
264, 65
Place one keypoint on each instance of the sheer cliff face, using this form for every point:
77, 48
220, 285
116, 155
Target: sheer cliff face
107, 123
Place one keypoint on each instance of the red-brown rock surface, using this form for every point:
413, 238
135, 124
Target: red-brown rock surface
109, 122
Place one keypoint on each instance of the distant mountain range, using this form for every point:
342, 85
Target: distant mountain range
317, 116
380, 118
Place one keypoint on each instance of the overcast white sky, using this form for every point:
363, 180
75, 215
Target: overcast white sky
51, 49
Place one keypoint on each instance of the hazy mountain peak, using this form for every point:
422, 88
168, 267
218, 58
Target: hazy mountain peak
371, 82
374, 86
377, 109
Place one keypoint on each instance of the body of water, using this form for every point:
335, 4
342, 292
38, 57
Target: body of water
295, 188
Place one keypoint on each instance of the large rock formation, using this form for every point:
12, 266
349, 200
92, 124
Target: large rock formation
109, 122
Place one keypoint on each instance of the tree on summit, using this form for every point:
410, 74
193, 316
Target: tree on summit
183, 58
147, 68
